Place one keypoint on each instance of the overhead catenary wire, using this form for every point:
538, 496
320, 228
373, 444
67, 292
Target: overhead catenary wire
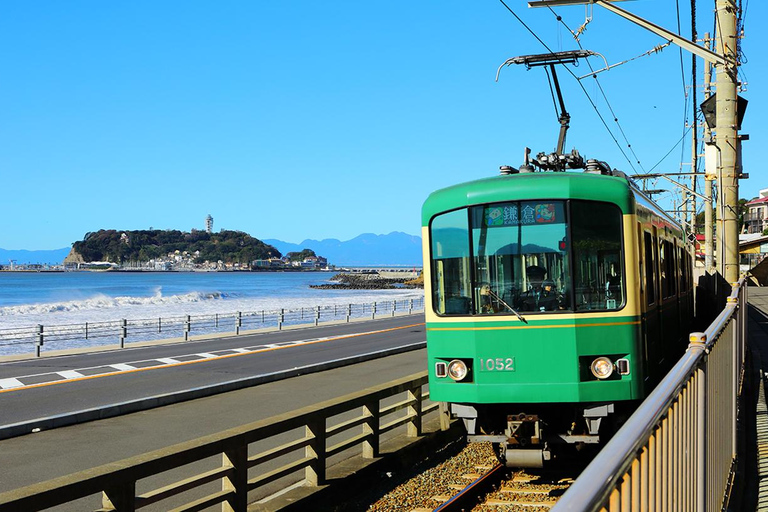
594, 106
602, 91
685, 133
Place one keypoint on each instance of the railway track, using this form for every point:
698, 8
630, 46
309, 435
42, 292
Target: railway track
472, 480
499, 490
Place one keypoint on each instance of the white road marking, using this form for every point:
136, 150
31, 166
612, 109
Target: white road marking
241, 350
206, 355
168, 360
70, 374
10, 383
122, 367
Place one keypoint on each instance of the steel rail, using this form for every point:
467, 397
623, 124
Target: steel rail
469, 496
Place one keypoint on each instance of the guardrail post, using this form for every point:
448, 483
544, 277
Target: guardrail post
187, 327
371, 427
40, 340
373, 311
410, 306
414, 411
349, 312
735, 370
698, 340
123, 332
317, 315
86, 330
314, 474
159, 325
238, 322
445, 415
394, 307
280, 320
216, 320
237, 459
121, 498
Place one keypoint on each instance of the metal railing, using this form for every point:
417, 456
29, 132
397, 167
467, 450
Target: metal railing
677, 451
374, 412
146, 329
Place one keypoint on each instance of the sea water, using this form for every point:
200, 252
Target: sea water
28, 299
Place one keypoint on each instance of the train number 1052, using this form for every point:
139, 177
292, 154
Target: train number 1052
502, 364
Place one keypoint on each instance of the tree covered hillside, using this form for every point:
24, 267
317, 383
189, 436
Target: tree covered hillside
145, 245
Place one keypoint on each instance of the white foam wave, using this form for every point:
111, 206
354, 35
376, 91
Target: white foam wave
102, 302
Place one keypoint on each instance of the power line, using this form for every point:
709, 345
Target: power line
580, 84
605, 97
671, 150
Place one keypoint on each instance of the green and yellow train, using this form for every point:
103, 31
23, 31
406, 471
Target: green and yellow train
555, 301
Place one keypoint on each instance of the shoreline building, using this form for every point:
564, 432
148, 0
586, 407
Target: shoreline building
756, 218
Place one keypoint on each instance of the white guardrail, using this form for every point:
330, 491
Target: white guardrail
58, 337
677, 451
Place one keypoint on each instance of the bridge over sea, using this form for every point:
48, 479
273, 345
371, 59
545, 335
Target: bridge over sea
336, 399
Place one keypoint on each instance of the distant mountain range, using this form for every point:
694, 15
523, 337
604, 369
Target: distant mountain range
22, 256
368, 249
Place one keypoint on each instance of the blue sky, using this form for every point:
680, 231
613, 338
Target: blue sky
295, 120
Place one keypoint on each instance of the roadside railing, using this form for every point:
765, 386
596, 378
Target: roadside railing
357, 421
678, 450
15, 340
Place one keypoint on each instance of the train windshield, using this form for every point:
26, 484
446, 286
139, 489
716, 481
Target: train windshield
527, 256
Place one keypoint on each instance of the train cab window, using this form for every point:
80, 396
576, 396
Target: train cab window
597, 256
520, 258
527, 257
450, 263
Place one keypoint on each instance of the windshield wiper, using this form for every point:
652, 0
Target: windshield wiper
486, 290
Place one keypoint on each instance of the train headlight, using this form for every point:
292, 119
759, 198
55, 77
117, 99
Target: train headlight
457, 370
602, 367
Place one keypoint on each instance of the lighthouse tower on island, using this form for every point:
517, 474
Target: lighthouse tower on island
209, 224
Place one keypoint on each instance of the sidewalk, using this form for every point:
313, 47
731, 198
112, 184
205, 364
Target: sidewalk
756, 473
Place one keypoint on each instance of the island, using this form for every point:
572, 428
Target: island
174, 250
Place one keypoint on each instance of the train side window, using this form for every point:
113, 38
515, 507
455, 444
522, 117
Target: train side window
649, 266
663, 277
668, 274
598, 274
683, 270
675, 268
450, 263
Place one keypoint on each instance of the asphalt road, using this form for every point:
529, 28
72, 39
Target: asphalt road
48, 454
61, 386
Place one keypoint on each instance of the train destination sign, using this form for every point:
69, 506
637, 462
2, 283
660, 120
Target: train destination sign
523, 214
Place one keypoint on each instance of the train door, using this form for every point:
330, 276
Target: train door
686, 295
651, 319
669, 314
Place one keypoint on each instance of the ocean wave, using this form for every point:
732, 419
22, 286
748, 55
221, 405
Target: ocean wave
102, 302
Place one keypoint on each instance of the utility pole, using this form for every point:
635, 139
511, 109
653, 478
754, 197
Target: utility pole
725, 60
727, 136
709, 246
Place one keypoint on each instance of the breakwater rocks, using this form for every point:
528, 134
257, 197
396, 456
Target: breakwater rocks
371, 281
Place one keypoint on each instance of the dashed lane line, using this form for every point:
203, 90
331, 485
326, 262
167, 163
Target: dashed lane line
10, 383
70, 374
122, 367
17, 384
